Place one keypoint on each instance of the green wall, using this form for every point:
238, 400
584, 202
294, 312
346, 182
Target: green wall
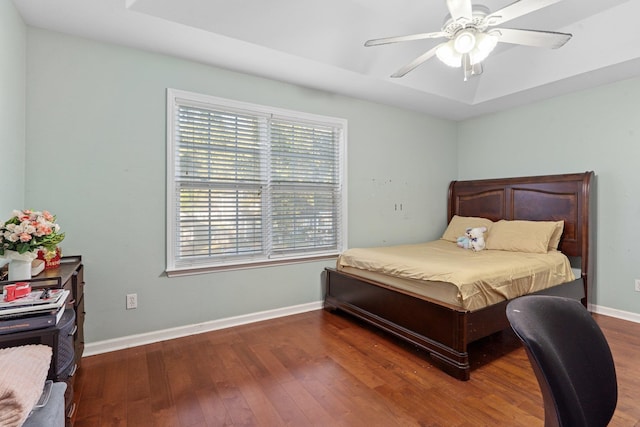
596, 129
96, 157
12, 109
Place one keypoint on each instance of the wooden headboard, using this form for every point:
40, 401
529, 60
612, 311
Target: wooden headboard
565, 197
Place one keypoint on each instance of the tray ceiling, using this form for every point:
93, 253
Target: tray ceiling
320, 45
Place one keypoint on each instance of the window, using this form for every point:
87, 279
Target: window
249, 185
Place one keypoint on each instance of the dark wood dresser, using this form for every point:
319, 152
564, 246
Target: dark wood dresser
66, 338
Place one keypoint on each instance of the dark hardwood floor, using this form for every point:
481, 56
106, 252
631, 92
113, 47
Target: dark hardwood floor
324, 369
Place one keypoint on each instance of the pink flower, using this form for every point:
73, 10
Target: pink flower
25, 215
47, 216
25, 237
42, 230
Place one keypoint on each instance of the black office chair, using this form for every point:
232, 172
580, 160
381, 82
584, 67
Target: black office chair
570, 357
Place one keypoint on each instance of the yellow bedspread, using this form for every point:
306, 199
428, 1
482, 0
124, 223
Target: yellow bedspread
482, 278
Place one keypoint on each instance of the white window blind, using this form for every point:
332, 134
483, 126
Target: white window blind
250, 184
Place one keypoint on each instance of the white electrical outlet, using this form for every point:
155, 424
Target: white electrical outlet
637, 285
132, 301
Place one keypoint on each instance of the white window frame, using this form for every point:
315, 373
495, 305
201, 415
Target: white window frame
178, 267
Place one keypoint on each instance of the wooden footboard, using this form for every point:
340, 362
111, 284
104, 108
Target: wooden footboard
440, 330
443, 331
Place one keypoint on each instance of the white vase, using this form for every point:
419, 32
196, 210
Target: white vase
19, 270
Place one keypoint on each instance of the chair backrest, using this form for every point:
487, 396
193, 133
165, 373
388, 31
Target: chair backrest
570, 357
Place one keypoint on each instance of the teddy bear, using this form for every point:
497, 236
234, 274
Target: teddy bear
473, 239
463, 242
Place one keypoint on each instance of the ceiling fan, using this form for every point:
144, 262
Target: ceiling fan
472, 36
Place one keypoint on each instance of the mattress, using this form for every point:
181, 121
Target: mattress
470, 280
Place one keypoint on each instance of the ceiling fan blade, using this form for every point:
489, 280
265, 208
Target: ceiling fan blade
460, 9
535, 38
416, 62
515, 10
421, 36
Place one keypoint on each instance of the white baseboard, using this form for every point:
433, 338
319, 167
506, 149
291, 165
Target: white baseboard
618, 314
105, 346
183, 331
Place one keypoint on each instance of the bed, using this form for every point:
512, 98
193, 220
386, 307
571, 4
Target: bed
445, 329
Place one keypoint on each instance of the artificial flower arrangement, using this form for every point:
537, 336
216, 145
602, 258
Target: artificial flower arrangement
27, 232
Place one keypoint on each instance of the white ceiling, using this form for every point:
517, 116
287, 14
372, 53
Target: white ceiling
319, 44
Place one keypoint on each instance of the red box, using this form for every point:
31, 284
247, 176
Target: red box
22, 289
9, 292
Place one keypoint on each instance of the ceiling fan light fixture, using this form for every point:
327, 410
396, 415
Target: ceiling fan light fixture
464, 42
451, 52
448, 55
485, 43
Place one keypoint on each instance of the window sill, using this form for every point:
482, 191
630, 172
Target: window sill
190, 271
